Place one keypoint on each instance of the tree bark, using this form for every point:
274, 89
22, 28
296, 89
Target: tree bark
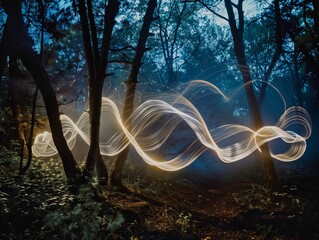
239, 48
20, 44
35, 95
16, 99
172, 77
97, 63
30, 139
119, 162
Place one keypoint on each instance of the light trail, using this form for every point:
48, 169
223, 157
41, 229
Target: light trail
147, 136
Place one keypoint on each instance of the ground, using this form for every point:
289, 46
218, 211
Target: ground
158, 206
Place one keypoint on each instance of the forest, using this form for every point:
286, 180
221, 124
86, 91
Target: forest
159, 119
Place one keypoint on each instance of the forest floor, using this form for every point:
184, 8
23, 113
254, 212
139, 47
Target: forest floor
158, 206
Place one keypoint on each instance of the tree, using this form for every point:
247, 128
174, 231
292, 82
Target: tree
131, 83
175, 33
237, 30
297, 74
97, 61
276, 54
17, 42
35, 95
301, 19
239, 48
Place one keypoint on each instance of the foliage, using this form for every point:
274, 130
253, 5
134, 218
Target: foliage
82, 217
3, 203
184, 221
115, 223
2, 129
256, 196
180, 212
8, 159
262, 197
23, 199
7, 124
80, 220
197, 47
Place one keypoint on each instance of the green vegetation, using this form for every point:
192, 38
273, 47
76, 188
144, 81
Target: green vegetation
76, 51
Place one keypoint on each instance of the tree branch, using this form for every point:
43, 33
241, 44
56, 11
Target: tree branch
212, 10
86, 37
123, 48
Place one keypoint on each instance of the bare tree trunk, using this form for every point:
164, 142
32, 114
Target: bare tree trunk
239, 48
35, 95
97, 63
20, 44
172, 77
30, 140
16, 98
118, 164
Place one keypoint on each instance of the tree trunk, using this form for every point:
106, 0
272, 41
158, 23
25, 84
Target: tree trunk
30, 139
172, 78
16, 99
119, 162
97, 63
239, 48
94, 159
20, 44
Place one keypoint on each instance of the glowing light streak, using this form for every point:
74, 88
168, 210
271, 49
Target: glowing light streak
241, 140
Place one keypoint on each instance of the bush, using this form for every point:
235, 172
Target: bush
8, 158
77, 221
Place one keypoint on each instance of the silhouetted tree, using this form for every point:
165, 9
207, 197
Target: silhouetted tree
302, 24
97, 60
237, 31
239, 48
277, 53
118, 164
17, 42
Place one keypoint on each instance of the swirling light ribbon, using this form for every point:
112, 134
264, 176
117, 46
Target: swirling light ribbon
231, 142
